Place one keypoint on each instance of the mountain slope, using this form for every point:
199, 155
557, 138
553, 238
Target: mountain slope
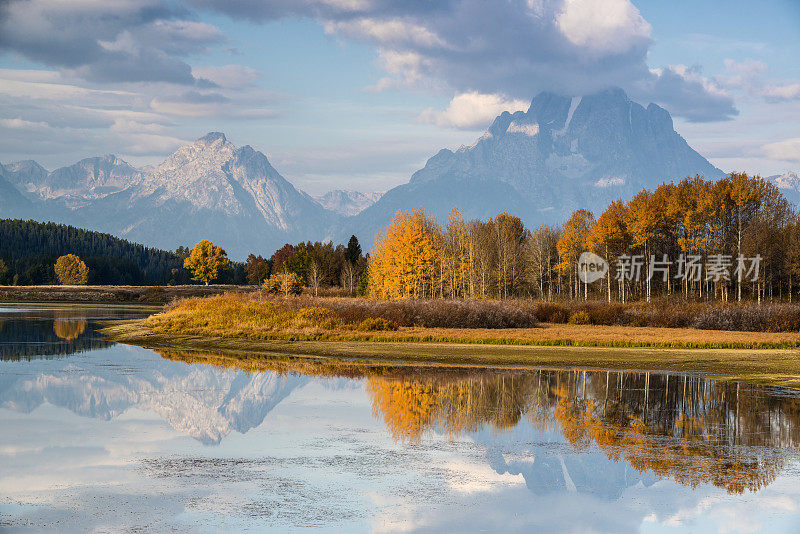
347, 202
12, 202
789, 185
207, 189
562, 154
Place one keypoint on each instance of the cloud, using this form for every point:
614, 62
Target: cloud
194, 104
685, 92
119, 41
472, 110
228, 76
605, 27
511, 47
782, 93
786, 150
749, 76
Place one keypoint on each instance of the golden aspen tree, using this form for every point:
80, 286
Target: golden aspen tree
405, 262
510, 237
574, 240
206, 261
746, 196
71, 271
643, 221
610, 236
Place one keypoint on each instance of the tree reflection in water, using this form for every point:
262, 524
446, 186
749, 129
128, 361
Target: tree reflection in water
69, 329
48, 333
694, 430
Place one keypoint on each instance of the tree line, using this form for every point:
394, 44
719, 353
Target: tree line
29, 251
315, 265
726, 226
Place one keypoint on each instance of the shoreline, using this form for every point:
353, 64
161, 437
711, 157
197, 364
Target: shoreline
765, 366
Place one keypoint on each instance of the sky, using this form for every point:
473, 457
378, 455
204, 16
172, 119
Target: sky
357, 94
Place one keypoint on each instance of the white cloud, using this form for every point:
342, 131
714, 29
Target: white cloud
782, 92
603, 26
749, 76
609, 182
786, 150
472, 110
387, 31
228, 76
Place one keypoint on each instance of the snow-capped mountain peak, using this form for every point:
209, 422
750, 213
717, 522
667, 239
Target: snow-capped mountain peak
348, 202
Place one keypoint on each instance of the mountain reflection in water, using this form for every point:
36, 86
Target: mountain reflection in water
694, 430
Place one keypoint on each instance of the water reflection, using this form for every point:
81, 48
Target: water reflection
125, 439
694, 430
29, 334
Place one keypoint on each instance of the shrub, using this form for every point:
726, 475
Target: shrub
316, 316
377, 323
579, 317
550, 312
437, 313
283, 284
785, 319
603, 313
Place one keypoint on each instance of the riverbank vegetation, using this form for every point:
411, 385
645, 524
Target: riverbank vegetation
258, 316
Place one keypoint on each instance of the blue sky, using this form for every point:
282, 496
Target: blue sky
357, 94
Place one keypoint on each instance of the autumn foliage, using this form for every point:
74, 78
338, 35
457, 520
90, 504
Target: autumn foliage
416, 257
206, 261
71, 271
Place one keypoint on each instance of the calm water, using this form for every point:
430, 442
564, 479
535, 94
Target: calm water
113, 438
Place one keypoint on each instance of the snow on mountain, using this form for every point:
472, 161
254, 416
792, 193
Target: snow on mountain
207, 189
201, 401
347, 202
789, 184
12, 202
564, 153
76, 185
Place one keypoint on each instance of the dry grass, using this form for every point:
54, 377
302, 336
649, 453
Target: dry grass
112, 294
264, 317
771, 367
272, 318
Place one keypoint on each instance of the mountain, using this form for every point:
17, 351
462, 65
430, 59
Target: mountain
12, 202
201, 401
347, 202
564, 153
789, 185
207, 189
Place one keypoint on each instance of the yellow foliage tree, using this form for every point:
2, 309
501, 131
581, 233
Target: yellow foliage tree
206, 261
406, 261
610, 236
574, 240
71, 271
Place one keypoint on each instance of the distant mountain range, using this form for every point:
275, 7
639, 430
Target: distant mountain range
562, 154
347, 202
789, 184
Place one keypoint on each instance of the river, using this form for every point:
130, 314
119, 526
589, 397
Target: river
104, 437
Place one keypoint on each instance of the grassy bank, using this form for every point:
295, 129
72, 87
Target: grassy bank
770, 367
151, 295
251, 326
